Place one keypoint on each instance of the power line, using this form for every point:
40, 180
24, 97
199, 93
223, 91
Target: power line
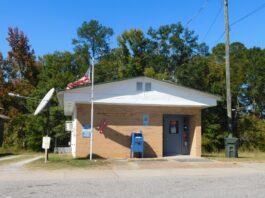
249, 14
242, 19
197, 13
212, 24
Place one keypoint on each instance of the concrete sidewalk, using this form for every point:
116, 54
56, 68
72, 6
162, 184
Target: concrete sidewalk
18, 165
174, 162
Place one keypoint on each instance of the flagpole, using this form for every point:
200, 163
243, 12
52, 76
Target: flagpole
92, 108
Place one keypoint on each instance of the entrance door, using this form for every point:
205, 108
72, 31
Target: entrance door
172, 135
175, 141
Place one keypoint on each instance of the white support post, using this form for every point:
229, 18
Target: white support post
92, 109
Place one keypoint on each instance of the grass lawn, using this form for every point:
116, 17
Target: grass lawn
63, 161
7, 152
14, 151
242, 156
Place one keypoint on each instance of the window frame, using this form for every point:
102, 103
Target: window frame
146, 87
139, 86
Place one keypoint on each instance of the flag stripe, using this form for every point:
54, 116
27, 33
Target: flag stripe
82, 81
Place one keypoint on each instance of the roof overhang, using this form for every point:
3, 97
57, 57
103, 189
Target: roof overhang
124, 93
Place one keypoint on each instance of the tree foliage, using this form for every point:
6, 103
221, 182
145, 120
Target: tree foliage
21, 57
93, 35
169, 52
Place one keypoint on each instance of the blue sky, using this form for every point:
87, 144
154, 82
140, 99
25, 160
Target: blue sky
51, 24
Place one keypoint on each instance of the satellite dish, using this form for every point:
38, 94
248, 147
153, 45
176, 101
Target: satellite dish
44, 101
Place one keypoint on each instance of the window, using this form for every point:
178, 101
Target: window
148, 86
139, 86
173, 127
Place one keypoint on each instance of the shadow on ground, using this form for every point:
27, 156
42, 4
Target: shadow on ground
5, 154
95, 156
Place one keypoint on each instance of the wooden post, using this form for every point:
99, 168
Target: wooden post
46, 155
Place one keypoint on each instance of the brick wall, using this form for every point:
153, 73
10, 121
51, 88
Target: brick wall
122, 120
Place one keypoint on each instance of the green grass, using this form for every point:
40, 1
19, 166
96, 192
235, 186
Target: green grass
7, 152
14, 151
63, 161
243, 156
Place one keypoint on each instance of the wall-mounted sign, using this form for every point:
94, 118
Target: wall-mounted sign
86, 131
46, 142
173, 126
145, 120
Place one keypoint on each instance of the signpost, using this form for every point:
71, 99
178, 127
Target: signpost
46, 145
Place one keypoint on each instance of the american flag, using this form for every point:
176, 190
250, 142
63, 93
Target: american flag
82, 81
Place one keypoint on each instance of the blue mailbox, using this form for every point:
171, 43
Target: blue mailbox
137, 143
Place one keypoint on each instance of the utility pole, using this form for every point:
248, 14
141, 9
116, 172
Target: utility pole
231, 143
227, 69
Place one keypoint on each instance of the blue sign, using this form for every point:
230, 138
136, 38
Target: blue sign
145, 120
86, 131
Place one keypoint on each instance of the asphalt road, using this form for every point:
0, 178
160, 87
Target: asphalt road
240, 180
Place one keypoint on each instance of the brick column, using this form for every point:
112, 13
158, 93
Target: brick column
195, 134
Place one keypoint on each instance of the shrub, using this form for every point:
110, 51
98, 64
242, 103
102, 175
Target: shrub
252, 133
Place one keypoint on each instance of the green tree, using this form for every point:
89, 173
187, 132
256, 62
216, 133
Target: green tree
93, 36
26, 130
194, 73
171, 46
58, 70
1, 76
255, 78
134, 57
20, 71
107, 67
252, 133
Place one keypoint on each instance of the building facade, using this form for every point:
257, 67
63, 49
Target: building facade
168, 116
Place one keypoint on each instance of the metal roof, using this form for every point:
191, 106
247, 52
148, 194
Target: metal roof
165, 81
123, 92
